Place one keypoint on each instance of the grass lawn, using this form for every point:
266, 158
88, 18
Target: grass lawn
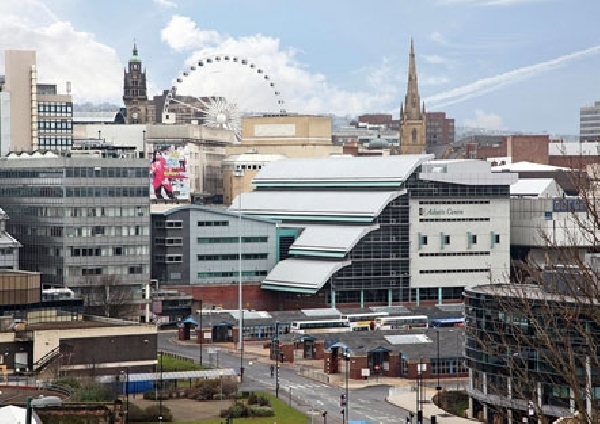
174, 364
283, 414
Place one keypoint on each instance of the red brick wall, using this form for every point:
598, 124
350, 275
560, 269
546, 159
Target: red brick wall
528, 148
226, 296
574, 162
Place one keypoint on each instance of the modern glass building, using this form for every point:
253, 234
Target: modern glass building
531, 353
83, 218
383, 230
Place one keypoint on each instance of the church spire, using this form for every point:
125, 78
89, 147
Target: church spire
135, 50
412, 101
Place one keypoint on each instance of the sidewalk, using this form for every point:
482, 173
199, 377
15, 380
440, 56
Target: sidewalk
405, 398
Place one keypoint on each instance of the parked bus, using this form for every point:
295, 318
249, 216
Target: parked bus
407, 322
447, 322
363, 321
321, 326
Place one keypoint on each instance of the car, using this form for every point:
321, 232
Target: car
43, 401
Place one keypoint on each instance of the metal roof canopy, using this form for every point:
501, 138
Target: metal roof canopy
172, 375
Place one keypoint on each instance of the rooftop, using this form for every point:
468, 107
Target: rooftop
342, 171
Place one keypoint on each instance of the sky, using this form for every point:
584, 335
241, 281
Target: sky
520, 65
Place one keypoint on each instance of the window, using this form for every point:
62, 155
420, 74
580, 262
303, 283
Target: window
496, 238
446, 239
424, 240
473, 239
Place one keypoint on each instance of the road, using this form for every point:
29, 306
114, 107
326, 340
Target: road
308, 395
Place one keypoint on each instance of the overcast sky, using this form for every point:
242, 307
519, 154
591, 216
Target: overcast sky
523, 65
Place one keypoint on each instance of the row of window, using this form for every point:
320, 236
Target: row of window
204, 240
46, 191
108, 192
454, 202
168, 258
168, 224
77, 271
98, 231
467, 253
231, 274
55, 124
454, 219
106, 172
107, 211
31, 173
65, 108
233, 257
55, 141
453, 271
6, 251
213, 223
77, 252
471, 239
168, 241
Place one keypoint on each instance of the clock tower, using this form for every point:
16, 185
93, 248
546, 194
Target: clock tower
412, 118
134, 90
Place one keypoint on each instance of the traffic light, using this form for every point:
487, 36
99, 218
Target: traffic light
343, 399
432, 419
420, 416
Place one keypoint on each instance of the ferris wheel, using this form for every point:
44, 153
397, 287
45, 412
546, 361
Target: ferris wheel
222, 110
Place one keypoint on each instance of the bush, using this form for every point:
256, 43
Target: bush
239, 410
252, 399
263, 401
261, 411
150, 414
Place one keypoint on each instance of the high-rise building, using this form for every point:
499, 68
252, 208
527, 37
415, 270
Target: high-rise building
40, 118
412, 117
83, 218
134, 90
589, 122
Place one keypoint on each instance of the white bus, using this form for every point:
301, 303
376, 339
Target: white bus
321, 326
407, 322
362, 321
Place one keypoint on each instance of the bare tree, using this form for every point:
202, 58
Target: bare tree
107, 296
533, 341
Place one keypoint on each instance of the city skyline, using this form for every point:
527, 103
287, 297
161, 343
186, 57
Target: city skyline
495, 64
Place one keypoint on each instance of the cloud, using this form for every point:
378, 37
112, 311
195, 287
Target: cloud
434, 58
63, 53
182, 34
489, 121
302, 90
165, 3
490, 84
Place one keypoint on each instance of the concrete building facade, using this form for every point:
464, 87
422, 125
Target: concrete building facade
294, 136
589, 122
40, 117
240, 170
194, 245
9, 246
82, 218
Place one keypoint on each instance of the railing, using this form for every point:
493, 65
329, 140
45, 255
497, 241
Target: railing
45, 360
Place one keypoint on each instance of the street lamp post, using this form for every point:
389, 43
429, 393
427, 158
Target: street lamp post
239, 174
324, 417
347, 359
438, 388
160, 388
221, 391
201, 332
